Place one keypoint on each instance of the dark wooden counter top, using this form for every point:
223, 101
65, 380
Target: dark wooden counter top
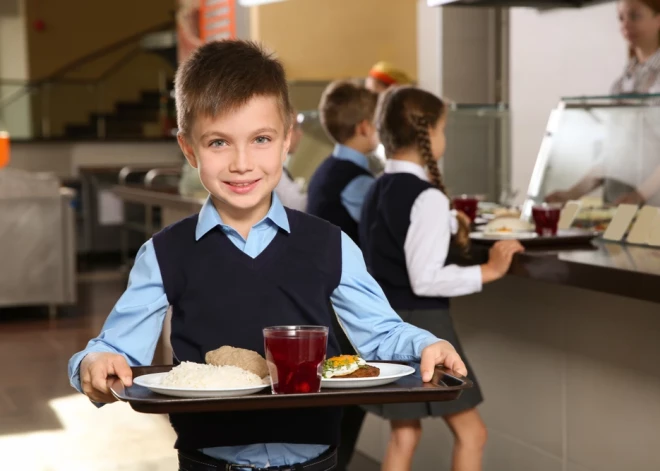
629, 271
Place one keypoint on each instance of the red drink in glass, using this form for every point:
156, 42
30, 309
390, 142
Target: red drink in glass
295, 356
546, 218
468, 205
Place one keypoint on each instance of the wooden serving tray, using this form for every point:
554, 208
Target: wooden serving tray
445, 386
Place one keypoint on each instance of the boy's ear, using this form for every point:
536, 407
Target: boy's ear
364, 128
360, 129
287, 143
187, 149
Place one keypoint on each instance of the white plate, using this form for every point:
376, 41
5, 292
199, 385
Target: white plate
502, 235
153, 382
389, 373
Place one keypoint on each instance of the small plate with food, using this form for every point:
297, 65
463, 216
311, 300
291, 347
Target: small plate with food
228, 372
190, 379
503, 235
351, 371
505, 228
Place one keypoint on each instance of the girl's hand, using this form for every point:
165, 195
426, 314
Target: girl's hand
499, 259
441, 353
463, 219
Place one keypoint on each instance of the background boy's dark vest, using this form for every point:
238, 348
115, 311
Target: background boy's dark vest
383, 230
221, 296
324, 193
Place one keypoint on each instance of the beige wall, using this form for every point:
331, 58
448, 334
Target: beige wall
75, 28
327, 39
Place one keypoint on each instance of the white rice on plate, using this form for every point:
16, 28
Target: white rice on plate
202, 376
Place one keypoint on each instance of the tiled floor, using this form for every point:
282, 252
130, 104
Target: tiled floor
45, 425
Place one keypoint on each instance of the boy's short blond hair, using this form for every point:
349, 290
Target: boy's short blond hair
345, 104
222, 76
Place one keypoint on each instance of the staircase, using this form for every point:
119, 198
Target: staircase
129, 120
142, 118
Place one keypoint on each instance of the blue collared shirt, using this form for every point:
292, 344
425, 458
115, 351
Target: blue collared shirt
354, 193
134, 326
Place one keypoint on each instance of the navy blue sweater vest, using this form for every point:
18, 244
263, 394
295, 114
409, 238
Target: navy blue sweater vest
324, 193
383, 229
221, 296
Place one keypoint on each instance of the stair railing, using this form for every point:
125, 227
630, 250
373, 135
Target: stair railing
13, 91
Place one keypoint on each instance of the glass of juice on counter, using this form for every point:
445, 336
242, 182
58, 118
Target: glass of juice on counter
546, 218
295, 356
467, 204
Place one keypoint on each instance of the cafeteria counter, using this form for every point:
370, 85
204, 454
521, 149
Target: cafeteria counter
624, 270
566, 352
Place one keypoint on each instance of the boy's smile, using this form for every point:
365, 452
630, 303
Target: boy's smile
239, 155
242, 187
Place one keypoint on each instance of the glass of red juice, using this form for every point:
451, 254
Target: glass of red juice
467, 204
295, 356
546, 218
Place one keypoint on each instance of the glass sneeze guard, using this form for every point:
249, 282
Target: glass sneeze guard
601, 148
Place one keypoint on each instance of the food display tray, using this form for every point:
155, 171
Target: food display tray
445, 386
569, 237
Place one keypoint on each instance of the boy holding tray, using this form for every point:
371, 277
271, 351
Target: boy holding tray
244, 263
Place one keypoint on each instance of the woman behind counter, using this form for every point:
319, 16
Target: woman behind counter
640, 27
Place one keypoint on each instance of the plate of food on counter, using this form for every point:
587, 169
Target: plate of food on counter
351, 371
490, 211
594, 218
505, 228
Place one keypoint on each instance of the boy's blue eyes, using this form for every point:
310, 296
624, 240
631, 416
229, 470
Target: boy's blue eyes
223, 143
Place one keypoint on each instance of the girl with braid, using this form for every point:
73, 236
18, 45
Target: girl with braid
406, 230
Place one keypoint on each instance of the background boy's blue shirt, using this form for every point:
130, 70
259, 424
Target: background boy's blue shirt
354, 193
134, 326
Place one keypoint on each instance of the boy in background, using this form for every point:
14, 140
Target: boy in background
337, 188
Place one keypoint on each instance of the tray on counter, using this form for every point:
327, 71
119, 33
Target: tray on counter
445, 386
563, 238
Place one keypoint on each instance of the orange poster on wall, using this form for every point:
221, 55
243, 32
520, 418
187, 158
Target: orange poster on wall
201, 21
217, 20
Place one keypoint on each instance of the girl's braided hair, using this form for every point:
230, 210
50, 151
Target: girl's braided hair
403, 117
